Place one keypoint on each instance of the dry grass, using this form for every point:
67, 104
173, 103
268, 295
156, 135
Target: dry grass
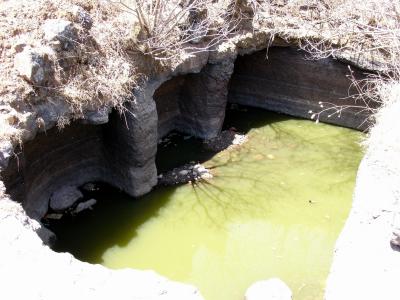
166, 29
364, 32
101, 70
330, 27
96, 72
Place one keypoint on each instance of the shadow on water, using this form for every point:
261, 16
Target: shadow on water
245, 118
116, 217
178, 149
113, 221
273, 208
225, 203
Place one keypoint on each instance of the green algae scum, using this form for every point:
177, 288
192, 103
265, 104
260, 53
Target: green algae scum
274, 208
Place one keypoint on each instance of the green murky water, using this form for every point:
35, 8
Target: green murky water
274, 209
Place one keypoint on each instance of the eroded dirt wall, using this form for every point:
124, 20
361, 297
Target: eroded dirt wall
121, 153
284, 81
53, 159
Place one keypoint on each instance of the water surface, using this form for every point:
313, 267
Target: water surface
274, 209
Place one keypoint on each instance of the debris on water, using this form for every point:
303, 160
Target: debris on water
90, 187
239, 139
183, 172
187, 173
53, 216
84, 206
224, 140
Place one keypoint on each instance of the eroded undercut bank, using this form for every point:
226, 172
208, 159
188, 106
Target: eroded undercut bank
47, 174
194, 103
122, 151
266, 202
282, 79
47, 171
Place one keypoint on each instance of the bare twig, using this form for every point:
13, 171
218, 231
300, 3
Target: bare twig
170, 28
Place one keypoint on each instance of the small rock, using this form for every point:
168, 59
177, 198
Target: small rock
4, 109
199, 168
239, 139
6, 151
19, 47
60, 32
34, 65
271, 289
47, 236
84, 205
54, 216
82, 17
206, 175
96, 117
64, 198
183, 172
90, 187
395, 239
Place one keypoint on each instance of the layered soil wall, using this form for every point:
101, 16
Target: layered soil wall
283, 80
122, 151
119, 148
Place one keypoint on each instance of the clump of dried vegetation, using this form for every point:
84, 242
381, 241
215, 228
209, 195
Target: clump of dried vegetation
103, 64
364, 32
166, 28
106, 60
95, 71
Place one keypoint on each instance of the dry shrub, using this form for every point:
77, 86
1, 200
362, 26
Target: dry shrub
168, 29
359, 28
107, 73
363, 32
101, 70
95, 73
356, 28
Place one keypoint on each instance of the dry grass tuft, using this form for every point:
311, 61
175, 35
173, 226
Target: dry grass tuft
325, 28
101, 69
363, 32
166, 29
96, 72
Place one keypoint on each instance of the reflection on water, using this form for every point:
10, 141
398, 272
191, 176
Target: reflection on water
274, 209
